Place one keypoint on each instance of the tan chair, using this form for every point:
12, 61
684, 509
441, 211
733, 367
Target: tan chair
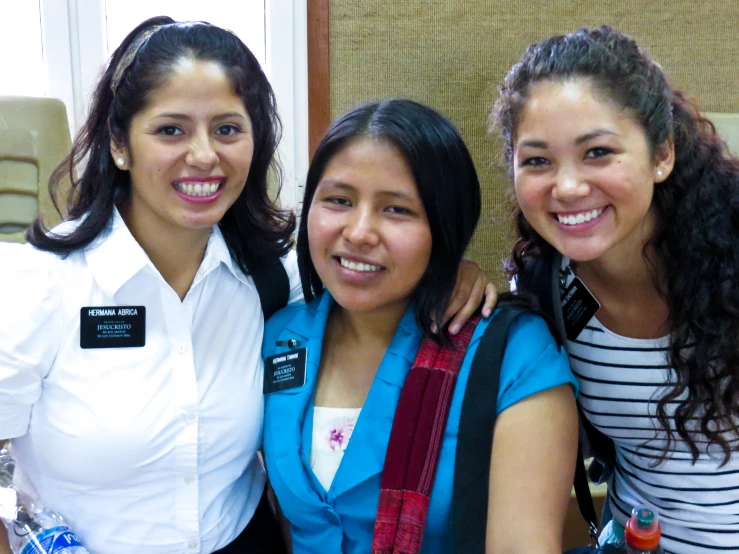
727, 125
34, 139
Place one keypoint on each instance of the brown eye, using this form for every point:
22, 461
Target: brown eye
169, 131
598, 152
338, 200
535, 161
399, 210
228, 130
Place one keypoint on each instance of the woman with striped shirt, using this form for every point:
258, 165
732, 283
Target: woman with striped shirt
619, 176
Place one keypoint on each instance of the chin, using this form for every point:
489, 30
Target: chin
582, 253
195, 221
354, 304
360, 303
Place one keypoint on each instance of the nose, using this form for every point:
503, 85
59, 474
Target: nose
200, 152
361, 228
569, 185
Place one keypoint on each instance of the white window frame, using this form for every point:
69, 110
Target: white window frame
73, 33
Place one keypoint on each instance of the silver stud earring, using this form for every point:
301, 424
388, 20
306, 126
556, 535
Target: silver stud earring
120, 162
659, 173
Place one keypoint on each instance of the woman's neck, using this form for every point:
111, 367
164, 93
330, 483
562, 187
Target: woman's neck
375, 327
628, 287
354, 345
176, 252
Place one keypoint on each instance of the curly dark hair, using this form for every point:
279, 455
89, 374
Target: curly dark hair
697, 207
253, 228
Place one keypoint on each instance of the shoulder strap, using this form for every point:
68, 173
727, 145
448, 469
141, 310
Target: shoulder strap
475, 437
540, 278
475, 442
273, 285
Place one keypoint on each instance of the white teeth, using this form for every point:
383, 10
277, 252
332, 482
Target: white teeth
582, 217
359, 266
198, 189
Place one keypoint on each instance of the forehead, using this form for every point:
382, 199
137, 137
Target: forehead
367, 161
194, 83
572, 106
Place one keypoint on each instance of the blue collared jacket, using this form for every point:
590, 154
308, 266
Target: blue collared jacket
341, 519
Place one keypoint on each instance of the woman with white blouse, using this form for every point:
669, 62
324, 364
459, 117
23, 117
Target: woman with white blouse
130, 335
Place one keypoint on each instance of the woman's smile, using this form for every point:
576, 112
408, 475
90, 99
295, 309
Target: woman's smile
370, 240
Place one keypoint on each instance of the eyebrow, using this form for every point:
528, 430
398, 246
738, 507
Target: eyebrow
579, 140
593, 134
347, 186
183, 117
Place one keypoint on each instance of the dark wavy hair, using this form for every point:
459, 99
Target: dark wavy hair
697, 209
447, 183
254, 228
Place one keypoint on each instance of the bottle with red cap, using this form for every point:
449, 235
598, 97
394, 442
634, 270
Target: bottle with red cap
642, 532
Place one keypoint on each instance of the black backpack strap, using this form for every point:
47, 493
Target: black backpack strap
475, 441
475, 437
540, 278
273, 285
584, 498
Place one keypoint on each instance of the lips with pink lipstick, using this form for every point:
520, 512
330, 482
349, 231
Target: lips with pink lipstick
199, 189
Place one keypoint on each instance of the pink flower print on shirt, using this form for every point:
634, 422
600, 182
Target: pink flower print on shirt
340, 433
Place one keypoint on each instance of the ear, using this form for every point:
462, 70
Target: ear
120, 156
664, 161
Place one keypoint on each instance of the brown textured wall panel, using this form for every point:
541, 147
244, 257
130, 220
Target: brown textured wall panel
451, 54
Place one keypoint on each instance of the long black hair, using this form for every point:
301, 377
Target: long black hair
254, 228
697, 209
447, 183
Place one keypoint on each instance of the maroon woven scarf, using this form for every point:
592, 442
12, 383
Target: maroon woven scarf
415, 443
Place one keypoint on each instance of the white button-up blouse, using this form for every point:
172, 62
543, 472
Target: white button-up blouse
147, 449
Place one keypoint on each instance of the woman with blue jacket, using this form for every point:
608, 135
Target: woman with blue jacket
392, 200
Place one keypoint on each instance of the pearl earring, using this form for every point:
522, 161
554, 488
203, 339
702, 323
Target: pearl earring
120, 162
659, 173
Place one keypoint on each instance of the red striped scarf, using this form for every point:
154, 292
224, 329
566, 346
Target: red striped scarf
415, 443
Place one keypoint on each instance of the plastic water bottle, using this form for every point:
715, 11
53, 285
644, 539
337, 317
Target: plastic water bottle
31, 528
642, 533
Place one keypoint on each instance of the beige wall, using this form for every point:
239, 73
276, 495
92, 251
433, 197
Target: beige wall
451, 54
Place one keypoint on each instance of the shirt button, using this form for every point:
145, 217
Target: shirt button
331, 516
192, 545
189, 418
181, 347
189, 479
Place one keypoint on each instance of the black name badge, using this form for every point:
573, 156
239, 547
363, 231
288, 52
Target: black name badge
578, 307
285, 371
112, 327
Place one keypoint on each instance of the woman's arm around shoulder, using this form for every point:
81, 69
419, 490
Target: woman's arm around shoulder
534, 445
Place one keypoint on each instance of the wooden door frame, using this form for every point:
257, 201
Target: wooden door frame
319, 99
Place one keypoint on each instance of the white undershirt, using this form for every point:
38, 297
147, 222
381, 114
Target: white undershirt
332, 429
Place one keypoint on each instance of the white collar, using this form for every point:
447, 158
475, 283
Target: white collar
115, 257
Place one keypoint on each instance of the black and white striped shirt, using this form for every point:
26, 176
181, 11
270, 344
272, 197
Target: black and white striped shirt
621, 380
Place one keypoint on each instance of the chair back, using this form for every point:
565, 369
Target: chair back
727, 126
34, 139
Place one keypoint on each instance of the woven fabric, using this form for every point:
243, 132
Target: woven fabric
415, 443
452, 55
